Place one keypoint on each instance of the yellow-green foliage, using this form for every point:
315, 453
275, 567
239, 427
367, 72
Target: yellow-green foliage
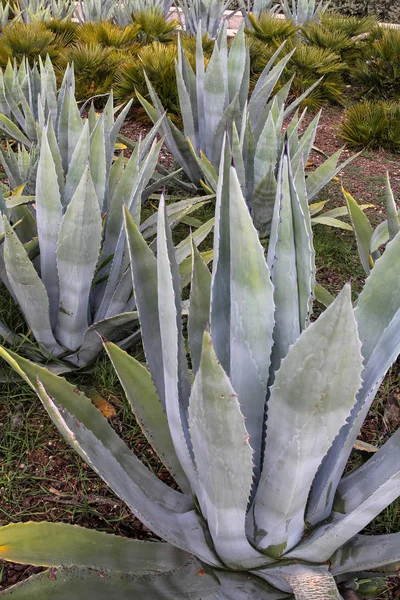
34, 40
269, 29
378, 72
65, 31
158, 60
350, 26
108, 35
372, 124
95, 68
307, 65
153, 27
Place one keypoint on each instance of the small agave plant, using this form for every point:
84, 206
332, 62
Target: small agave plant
303, 11
82, 286
257, 433
217, 98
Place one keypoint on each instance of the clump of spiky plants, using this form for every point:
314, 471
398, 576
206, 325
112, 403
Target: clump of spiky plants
19, 40
154, 27
188, 42
158, 61
65, 31
307, 65
378, 72
372, 124
95, 68
350, 25
108, 35
270, 30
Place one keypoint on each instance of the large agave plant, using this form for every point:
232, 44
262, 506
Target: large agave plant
258, 443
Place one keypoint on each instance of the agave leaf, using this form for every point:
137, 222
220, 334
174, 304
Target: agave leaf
303, 580
325, 172
183, 248
55, 151
322, 295
331, 222
185, 105
28, 289
13, 131
360, 497
366, 553
199, 311
98, 163
185, 268
147, 408
166, 512
176, 378
77, 254
111, 328
327, 385
48, 219
67, 584
224, 463
291, 260
251, 315
214, 99
56, 544
391, 210
69, 128
362, 229
235, 587
236, 64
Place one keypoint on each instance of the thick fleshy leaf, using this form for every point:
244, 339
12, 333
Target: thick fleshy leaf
305, 581
59, 544
177, 386
48, 219
245, 586
199, 310
291, 260
224, 460
28, 289
251, 316
360, 497
188, 582
363, 231
325, 172
147, 408
144, 274
166, 512
77, 254
325, 386
366, 553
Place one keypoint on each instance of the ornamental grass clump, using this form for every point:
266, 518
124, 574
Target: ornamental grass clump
256, 429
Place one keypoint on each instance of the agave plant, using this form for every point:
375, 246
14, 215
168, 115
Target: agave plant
206, 16
4, 14
124, 12
369, 240
46, 10
216, 99
257, 443
95, 10
84, 283
301, 11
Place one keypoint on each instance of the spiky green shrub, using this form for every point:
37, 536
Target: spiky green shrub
124, 12
257, 434
374, 124
351, 26
20, 40
154, 27
95, 68
158, 61
65, 31
378, 73
270, 30
307, 65
109, 35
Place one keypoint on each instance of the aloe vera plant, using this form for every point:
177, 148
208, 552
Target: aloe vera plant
215, 100
259, 440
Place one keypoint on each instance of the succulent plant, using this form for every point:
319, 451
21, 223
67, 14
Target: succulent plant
216, 99
257, 443
206, 16
84, 287
46, 10
301, 11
